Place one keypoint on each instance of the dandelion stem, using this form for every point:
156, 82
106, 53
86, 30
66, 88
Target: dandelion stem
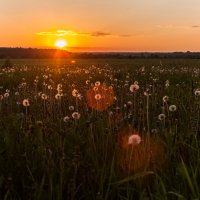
148, 115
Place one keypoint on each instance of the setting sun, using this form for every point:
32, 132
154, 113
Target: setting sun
61, 43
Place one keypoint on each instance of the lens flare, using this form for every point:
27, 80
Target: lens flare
100, 97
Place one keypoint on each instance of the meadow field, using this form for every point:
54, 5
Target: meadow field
115, 129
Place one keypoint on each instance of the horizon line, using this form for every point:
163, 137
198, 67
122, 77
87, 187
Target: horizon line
110, 51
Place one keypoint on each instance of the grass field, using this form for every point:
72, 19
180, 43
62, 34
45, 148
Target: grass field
100, 129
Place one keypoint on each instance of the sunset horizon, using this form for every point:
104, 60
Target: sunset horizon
116, 26
100, 99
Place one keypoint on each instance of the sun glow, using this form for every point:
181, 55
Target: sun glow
61, 43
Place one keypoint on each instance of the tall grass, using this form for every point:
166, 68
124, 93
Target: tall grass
48, 152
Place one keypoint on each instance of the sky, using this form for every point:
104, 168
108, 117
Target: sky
103, 25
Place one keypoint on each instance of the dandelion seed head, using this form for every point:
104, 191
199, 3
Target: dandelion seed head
25, 103
134, 139
134, 87
161, 117
97, 97
58, 96
66, 119
197, 92
44, 96
71, 108
165, 98
97, 83
6, 95
75, 93
172, 108
76, 115
129, 103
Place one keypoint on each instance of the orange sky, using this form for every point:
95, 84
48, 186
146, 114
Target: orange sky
103, 25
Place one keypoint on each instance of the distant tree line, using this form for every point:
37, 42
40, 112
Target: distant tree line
21, 53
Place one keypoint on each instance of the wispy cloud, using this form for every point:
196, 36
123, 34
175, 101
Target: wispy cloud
195, 26
171, 26
99, 33
60, 33
57, 33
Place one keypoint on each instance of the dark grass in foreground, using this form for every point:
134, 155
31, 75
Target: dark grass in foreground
48, 152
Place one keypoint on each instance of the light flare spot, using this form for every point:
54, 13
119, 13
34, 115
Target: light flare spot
100, 97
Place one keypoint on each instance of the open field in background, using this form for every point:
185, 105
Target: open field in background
100, 129
117, 62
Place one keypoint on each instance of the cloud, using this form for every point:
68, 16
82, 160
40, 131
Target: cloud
171, 26
99, 33
195, 26
60, 33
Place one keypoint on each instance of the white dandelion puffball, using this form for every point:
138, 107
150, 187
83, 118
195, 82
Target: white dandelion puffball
161, 117
134, 139
66, 118
75, 93
71, 108
97, 97
76, 115
6, 95
165, 98
172, 108
26, 103
134, 87
197, 92
129, 103
58, 96
44, 96
97, 83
